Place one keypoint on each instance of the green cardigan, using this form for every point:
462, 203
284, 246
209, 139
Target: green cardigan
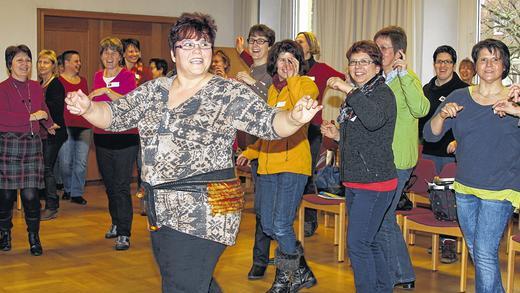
411, 105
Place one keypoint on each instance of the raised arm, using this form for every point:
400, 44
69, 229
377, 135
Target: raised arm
97, 113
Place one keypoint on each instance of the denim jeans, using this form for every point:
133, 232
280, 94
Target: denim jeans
262, 240
73, 160
392, 241
186, 262
279, 197
439, 161
483, 222
116, 166
51, 147
366, 210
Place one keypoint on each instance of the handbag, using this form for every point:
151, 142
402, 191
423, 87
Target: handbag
328, 179
442, 199
405, 204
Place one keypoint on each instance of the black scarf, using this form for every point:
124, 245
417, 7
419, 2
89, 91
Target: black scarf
346, 112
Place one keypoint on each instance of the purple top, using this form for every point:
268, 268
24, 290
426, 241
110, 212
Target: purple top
17, 101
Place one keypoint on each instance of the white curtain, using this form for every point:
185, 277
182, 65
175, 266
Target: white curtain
246, 15
340, 23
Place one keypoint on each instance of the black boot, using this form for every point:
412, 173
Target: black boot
5, 240
286, 265
34, 243
303, 276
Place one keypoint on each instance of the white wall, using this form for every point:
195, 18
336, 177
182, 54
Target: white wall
18, 18
440, 28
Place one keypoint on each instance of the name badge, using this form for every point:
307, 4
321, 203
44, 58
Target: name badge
113, 84
280, 104
442, 98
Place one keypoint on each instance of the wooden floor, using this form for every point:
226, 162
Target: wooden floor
77, 258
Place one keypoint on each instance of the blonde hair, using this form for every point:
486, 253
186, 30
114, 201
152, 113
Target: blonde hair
112, 43
51, 55
312, 41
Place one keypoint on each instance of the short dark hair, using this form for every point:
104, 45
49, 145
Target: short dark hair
494, 46
159, 64
264, 31
445, 49
130, 42
195, 24
67, 54
397, 37
288, 46
225, 58
11, 51
368, 47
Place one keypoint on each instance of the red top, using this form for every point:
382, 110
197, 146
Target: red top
72, 120
382, 186
142, 73
321, 73
123, 83
17, 101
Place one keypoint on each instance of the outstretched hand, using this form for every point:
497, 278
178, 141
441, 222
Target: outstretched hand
304, 110
78, 103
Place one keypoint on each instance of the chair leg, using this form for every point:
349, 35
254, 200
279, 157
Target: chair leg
327, 220
301, 220
342, 229
18, 200
463, 266
509, 232
336, 229
406, 232
510, 266
459, 245
435, 251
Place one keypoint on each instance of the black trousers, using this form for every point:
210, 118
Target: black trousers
116, 166
186, 262
31, 208
315, 138
51, 148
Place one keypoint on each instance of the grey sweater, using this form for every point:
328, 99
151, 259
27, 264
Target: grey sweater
366, 138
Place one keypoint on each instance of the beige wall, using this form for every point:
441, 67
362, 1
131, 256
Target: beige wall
18, 18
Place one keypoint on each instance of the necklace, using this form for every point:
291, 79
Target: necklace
27, 103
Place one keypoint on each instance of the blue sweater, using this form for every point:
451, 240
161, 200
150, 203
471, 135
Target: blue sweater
488, 147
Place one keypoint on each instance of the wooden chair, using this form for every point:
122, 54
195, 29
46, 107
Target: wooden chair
513, 247
427, 223
400, 215
335, 206
425, 171
245, 172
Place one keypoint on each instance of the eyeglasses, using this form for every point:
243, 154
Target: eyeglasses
445, 62
189, 45
258, 41
493, 60
362, 62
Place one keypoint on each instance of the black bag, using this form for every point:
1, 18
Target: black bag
405, 204
444, 205
327, 178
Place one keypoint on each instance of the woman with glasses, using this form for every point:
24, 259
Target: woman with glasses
367, 121
187, 124
486, 185
22, 112
115, 151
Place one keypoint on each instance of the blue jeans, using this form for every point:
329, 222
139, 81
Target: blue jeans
73, 160
366, 210
439, 161
483, 222
279, 197
392, 241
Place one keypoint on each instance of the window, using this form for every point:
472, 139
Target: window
500, 19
